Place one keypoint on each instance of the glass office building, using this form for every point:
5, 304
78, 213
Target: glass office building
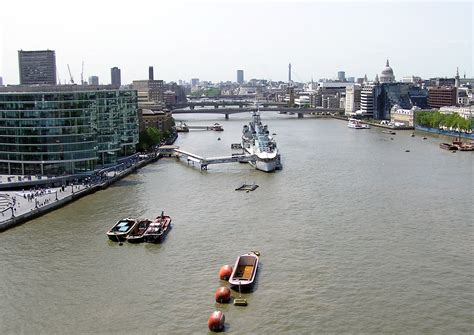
57, 130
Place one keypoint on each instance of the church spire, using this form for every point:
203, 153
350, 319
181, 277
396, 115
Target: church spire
456, 79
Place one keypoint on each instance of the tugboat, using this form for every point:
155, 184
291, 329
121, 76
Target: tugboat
158, 229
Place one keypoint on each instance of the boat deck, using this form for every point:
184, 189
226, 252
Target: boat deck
244, 272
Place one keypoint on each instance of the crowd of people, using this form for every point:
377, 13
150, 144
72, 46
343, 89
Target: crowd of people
42, 196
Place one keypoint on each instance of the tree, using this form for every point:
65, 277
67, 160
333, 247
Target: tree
437, 119
148, 138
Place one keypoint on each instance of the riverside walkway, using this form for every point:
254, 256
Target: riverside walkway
19, 206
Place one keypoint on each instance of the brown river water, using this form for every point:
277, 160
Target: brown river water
356, 236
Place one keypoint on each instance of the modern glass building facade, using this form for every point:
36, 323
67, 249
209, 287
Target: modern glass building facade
56, 130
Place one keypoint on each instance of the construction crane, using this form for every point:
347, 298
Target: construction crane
70, 75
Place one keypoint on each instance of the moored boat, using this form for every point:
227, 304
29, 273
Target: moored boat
244, 271
448, 146
216, 127
137, 233
121, 229
357, 124
257, 142
158, 229
182, 127
460, 145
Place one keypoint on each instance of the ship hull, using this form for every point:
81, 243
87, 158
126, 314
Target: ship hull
264, 166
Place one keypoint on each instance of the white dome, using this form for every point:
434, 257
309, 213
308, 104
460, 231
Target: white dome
388, 71
387, 74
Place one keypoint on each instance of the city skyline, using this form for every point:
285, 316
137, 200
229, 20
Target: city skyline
211, 40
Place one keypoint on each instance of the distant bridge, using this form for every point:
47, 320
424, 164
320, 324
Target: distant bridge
282, 110
224, 103
234, 97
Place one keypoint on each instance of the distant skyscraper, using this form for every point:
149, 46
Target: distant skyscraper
289, 72
341, 76
240, 76
194, 81
150, 73
1, 81
93, 80
115, 76
37, 67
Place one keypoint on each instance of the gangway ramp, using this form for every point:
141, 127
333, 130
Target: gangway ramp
188, 154
204, 162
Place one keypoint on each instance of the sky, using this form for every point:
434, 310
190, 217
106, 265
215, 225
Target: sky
210, 40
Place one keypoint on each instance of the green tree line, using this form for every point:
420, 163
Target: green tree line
437, 120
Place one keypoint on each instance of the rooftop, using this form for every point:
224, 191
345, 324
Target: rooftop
55, 88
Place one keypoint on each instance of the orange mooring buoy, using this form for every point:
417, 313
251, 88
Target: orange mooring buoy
225, 272
222, 294
216, 321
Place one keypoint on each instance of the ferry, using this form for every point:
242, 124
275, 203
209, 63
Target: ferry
356, 124
257, 141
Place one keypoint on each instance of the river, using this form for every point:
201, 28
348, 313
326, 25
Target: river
356, 235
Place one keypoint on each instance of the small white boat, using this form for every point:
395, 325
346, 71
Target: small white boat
244, 271
357, 124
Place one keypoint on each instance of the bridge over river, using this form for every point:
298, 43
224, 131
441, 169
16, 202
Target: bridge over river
282, 110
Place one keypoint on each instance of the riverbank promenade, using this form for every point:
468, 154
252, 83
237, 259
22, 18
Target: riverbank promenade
19, 206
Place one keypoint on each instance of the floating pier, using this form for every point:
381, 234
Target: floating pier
204, 162
215, 127
247, 187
